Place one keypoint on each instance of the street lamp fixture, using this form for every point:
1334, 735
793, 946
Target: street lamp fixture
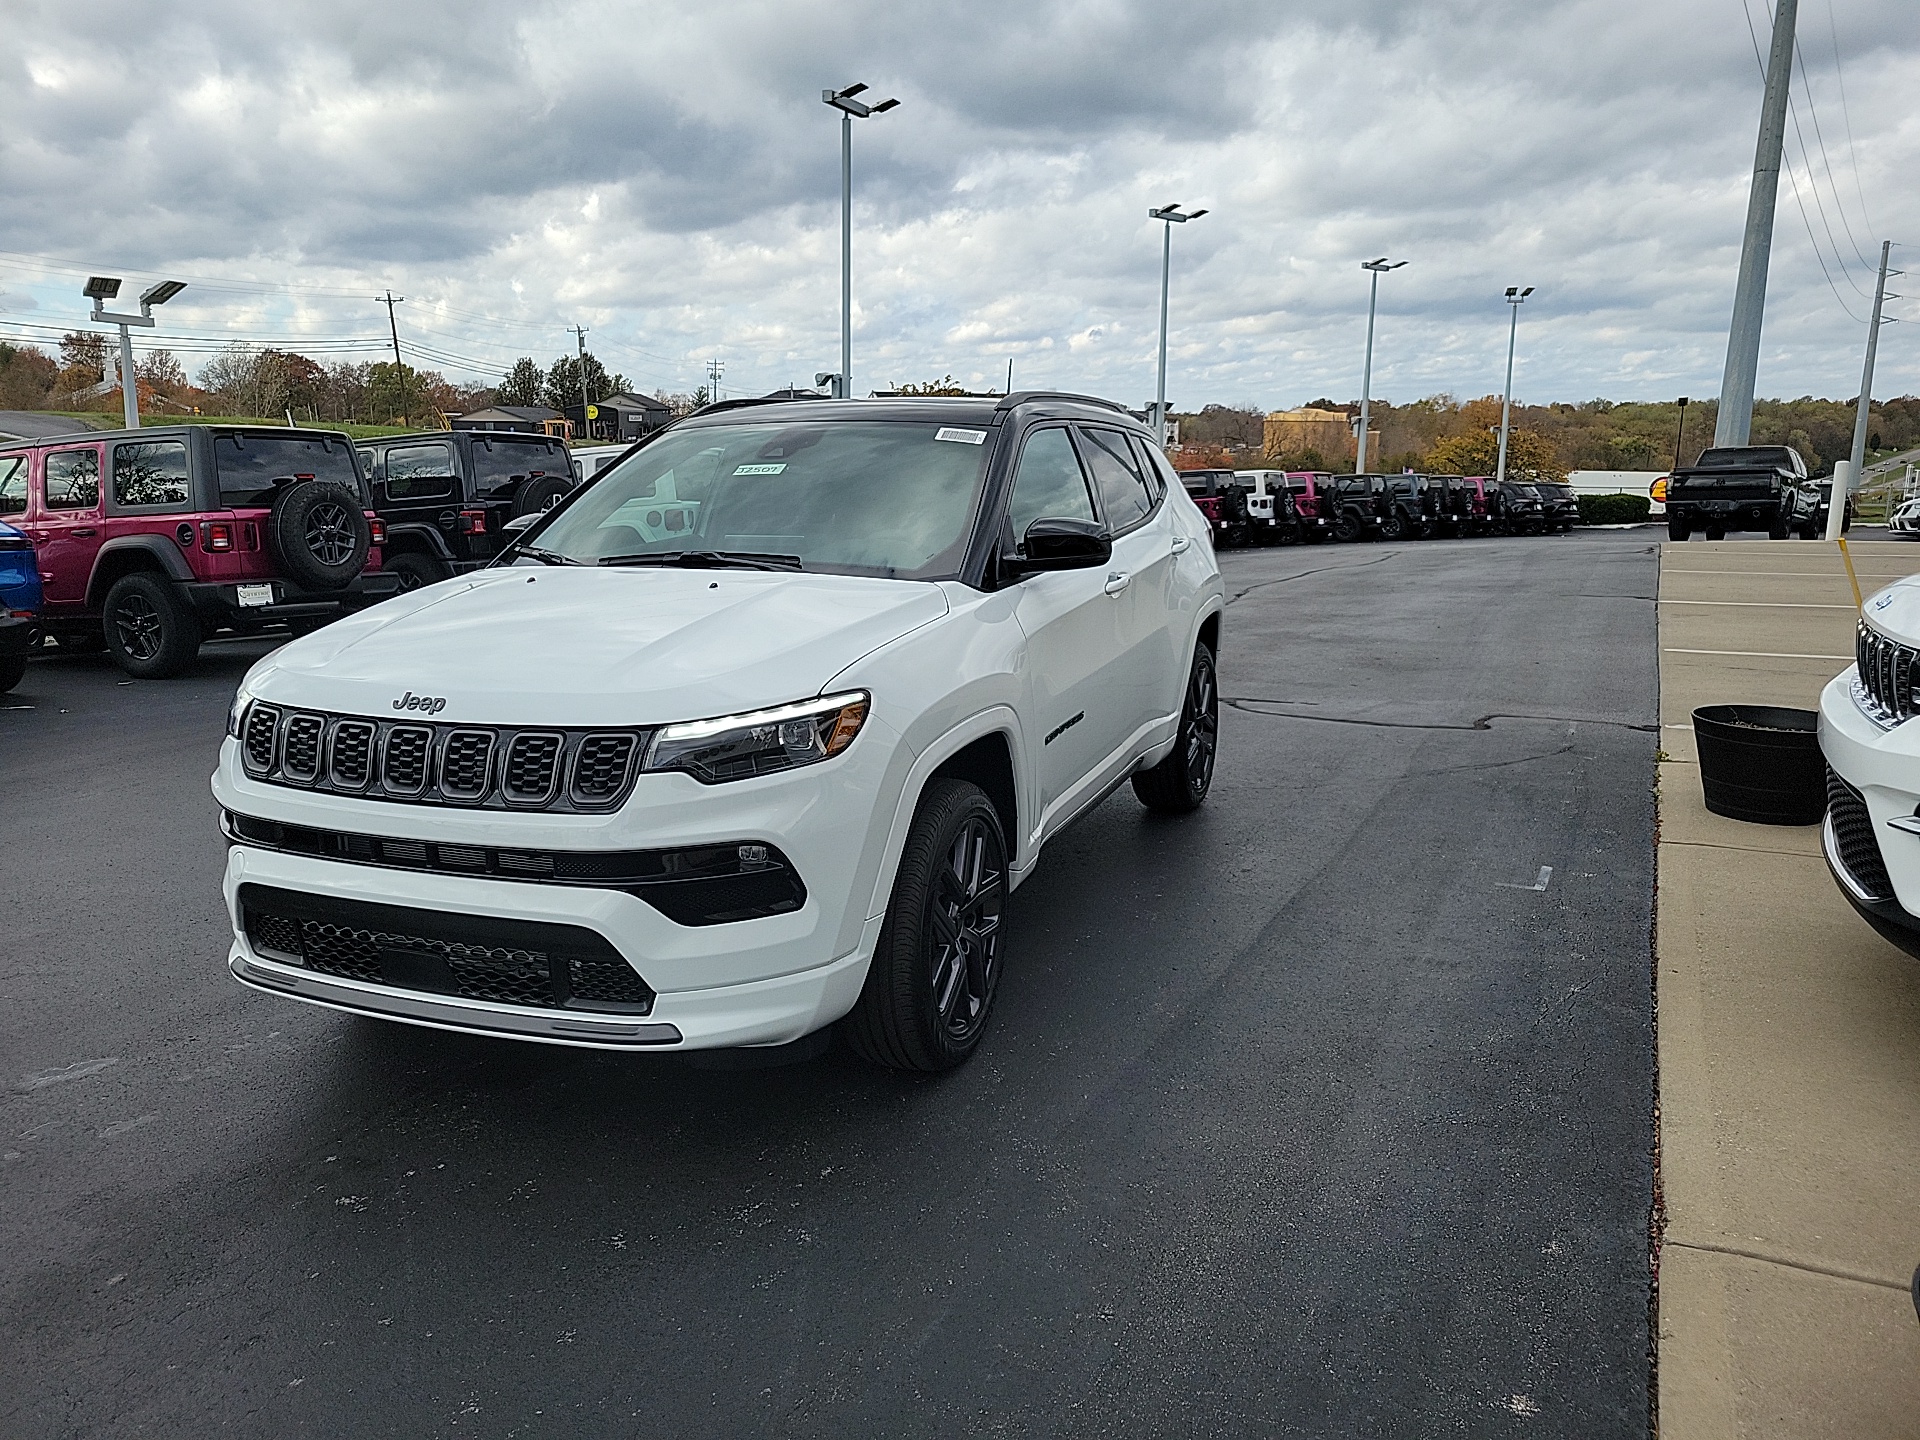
850, 110
1170, 215
101, 288
1378, 267
1515, 298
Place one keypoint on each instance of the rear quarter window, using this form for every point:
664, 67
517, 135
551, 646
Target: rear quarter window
13, 484
250, 467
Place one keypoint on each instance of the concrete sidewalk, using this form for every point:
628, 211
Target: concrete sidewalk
1789, 1045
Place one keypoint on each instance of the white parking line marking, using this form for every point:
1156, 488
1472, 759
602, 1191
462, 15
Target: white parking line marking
1540, 881
1756, 654
1761, 604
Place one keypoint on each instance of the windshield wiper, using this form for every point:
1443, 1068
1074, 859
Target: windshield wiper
545, 557
709, 560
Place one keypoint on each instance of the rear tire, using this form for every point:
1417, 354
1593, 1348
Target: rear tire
930, 987
151, 630
1678, 528
1778, 529
416, 570
1393, 528
1346, 528
13, 669
1178, 785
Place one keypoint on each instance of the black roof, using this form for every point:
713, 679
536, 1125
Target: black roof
968, 410
169, 432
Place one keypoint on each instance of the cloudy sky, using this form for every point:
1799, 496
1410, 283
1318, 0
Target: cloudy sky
667, 176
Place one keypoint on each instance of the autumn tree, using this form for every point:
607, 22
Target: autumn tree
1530, 457
161, 372
27, 376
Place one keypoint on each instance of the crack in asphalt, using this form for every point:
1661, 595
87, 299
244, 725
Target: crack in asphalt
1282, 580
1245, 704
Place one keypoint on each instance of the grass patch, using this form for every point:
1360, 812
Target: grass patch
100, 420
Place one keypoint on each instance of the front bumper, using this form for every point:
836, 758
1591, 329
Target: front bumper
219, 602
1871, 834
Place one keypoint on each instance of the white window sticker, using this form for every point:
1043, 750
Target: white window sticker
964, 437
759, 469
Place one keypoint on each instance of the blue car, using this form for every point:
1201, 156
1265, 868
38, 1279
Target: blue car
19, 605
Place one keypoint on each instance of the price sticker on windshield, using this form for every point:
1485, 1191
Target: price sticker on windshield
962, 437
759, 469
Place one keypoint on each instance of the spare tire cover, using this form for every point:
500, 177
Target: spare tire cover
541, 492
318, 534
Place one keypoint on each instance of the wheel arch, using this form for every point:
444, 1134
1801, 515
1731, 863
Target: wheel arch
124, 554
417, 538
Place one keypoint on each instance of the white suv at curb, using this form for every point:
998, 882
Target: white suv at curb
753, 733
1871, 834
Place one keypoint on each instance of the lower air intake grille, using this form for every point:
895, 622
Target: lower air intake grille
1853, 837
503, 962
600, 770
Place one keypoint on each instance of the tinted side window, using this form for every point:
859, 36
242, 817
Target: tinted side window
1049, 484
151, 473
73, 480
13, 485
1123, 494
419, 472
1156, 475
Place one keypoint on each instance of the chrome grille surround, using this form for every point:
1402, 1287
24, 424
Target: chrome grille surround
585, 771
1886, 673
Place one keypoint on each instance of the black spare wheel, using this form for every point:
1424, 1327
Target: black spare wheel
540, 492
318, 534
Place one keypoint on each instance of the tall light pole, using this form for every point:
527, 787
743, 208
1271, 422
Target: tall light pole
1734, 423
1516, 297
1171, 216
850, 110
1680, 435
101, 288
1378, 267
1880, 298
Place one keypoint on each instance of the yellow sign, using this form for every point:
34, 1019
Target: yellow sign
593, 412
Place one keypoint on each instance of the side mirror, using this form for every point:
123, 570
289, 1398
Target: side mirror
1057, 543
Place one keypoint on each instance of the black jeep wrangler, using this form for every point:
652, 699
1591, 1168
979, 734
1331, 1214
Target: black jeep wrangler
1222, 498
1744, 487
1359, 504
446, 498
1521, 511
1413, 508
1559, 509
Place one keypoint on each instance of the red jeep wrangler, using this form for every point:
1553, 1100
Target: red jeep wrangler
150, 540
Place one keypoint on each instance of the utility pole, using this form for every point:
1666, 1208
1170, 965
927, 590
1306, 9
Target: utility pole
399, 366
1880, 297
715, 369
1009, 374
1378, 267
580, 349
1516, 297
1735, 422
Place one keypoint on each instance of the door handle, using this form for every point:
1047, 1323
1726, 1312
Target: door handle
1180, 543
1118, 581
80, 534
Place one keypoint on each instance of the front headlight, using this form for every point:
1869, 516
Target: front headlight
762, 742
237, 712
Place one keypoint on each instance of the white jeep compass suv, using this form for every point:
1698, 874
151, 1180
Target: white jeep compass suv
753, 733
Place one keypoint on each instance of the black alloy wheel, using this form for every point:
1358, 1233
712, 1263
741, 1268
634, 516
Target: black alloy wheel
930, 986
416, 571
1394, 527
1179, 783
152, 632
330, 534
1346, 526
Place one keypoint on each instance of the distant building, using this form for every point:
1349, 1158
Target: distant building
530, 419
620, 417
1328, 431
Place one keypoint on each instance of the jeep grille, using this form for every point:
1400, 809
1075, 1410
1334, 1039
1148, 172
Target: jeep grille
471, 766
1888, 672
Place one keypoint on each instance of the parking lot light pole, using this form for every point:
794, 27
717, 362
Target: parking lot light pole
1680, 435
1171, 216
850, 110
1378, 267
1516, 297
101, 288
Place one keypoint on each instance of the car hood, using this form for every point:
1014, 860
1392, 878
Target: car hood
567, 646
1895, 611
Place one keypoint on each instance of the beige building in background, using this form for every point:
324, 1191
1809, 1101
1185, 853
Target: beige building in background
1328, 431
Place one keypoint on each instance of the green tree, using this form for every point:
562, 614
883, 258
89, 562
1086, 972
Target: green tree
945, 385
524, 385
394, 392
563, 381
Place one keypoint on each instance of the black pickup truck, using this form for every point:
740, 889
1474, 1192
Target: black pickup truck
1744, 487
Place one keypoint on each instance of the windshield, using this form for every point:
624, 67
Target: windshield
866, 497
250, 465
500, 464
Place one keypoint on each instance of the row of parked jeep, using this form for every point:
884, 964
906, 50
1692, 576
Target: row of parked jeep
145, 542
1286, 507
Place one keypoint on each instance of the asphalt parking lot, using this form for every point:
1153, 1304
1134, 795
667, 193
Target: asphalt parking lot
1327, 1111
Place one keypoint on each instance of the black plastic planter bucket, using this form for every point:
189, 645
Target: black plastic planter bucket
1761, 763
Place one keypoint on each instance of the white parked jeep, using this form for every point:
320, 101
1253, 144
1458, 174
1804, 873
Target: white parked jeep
727, 784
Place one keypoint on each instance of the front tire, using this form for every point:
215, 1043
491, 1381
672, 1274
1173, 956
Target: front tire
151, 630
930, 987
1178, 784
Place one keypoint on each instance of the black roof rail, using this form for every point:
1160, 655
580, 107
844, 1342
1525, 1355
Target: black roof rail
778, 397
1021, 397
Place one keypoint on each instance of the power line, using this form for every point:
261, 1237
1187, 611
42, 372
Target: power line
1853, 158
1814, 113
